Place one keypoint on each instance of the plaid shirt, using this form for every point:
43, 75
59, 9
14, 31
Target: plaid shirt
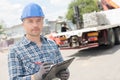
24, 54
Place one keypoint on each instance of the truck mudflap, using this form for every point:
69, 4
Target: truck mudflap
86, 46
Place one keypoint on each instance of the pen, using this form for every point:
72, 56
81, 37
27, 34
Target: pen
38, 63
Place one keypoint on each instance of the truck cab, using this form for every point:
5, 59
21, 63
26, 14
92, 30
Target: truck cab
69, 25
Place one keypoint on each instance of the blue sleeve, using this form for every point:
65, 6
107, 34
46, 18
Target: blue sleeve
58, 55
15, 68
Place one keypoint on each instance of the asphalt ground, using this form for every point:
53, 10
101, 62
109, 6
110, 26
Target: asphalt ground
91, 64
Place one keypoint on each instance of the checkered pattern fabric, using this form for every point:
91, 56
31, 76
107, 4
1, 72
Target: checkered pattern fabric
24, 54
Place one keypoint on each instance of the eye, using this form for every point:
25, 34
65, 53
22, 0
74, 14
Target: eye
30, 21
39, 20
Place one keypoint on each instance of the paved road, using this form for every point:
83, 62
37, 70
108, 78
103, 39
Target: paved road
91, 64
95, 64
3, 66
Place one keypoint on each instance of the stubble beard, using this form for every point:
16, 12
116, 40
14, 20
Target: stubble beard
33, 35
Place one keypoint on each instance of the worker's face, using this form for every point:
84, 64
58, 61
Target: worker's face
33, 26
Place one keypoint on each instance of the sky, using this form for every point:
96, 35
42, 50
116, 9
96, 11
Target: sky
10, 10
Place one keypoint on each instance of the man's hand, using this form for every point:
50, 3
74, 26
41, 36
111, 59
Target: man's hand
44, 69
63, 75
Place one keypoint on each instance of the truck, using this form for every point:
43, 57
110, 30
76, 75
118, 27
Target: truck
100, 28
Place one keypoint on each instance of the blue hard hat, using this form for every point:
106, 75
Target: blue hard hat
32, 10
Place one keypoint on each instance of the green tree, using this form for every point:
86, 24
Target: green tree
1, 29
85, 6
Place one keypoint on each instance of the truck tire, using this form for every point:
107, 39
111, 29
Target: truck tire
73, 41
117, 35
110, 38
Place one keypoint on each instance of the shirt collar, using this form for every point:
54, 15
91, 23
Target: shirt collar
26, 41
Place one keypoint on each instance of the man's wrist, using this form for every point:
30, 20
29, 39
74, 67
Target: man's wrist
36, 76
32, 77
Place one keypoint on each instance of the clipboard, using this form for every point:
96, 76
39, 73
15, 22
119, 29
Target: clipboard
56, 68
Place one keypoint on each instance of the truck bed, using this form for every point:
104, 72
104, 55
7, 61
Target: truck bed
87, 29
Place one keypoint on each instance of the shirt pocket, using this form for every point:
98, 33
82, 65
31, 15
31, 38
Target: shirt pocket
29, 65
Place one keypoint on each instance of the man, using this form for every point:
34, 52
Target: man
32, 57
64, 28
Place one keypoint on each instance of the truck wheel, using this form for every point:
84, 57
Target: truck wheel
117, 35
111, 38
73, 41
